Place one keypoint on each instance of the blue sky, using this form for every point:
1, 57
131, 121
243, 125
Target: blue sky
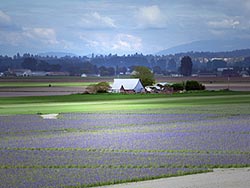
119, 26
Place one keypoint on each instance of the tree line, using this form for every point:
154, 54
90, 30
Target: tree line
109, 65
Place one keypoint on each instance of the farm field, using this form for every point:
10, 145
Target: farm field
29, 86
13, 87
44, 86
106, 139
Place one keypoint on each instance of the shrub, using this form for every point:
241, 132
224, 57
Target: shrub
101, 87
178, 86
194, 85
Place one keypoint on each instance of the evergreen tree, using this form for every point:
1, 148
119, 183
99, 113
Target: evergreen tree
186, 66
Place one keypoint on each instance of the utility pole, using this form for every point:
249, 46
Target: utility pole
228, 82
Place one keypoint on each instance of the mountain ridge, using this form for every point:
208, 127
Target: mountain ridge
208, 46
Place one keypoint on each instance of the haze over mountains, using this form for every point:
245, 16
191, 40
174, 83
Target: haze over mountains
196, 46
208, 46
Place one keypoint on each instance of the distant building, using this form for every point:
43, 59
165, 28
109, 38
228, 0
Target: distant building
227, 72
20, 72
244, 73
132, 85
207, 75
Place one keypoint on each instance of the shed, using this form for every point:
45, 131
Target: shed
132, 85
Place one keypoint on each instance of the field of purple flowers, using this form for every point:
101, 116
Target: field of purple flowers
97, 149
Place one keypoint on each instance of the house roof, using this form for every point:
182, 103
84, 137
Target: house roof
128, 84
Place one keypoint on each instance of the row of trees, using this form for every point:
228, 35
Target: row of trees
39, 65
89, 68
114, 65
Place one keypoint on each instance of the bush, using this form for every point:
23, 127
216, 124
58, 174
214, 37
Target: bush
194, 85
178, 87
101, 87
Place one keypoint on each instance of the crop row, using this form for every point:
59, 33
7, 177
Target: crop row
203, 141
90, 121
50, 177
122, 132
15, 158
95, 149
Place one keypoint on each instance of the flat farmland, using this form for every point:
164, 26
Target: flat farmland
45, 86
72, 85
11, 87
108, 139
14, 91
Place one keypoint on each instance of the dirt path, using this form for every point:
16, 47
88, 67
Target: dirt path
220, 178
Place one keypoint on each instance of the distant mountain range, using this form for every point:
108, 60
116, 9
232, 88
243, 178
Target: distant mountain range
208, 46
57, 54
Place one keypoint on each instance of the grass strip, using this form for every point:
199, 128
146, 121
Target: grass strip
132, 151
139, 179
125, 166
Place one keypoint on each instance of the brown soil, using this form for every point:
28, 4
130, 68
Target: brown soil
39, 91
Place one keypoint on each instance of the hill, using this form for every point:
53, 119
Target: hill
208, 46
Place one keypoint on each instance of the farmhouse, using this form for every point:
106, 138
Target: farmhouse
132, 85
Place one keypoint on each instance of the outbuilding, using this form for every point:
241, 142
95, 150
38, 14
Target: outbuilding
132, 85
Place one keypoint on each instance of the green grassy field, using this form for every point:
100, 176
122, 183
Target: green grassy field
205, 102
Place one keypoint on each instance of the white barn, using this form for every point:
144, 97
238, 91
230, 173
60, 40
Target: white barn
132, 85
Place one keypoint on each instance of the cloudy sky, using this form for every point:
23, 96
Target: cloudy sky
119, 26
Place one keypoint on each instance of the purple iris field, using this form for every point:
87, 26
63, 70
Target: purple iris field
85, 150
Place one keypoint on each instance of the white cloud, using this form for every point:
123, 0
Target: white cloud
96, 21
151, 16
45, 35
4, 18
118, 43
224, 24
126, 42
